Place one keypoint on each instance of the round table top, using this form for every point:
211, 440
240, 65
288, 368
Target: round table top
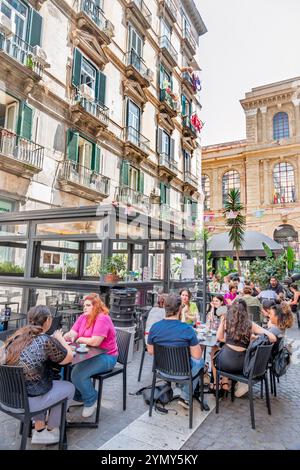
209, 341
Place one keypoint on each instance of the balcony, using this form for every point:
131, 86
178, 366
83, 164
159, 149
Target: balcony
190, 181
135, 143
137, 69
81, 181
18, 56
168, 8
189, 42
168, 50
189, 82
92, 112
18, 155
91, 18
168, 214
137, 10
168, 103
167, 166
188, 129
128, 196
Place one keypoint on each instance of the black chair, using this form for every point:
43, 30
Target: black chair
174, 362
257, 374
254, 313
14, 402
144, 346
123, 342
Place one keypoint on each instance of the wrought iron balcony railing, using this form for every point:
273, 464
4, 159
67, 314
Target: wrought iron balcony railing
167, 162
78, 174
134, 198
186, 122
187, 34
135, 137
94, 107
167, 98
132, 58
144, 10
22, 52
168, 214
97, 16
165, 43
21, 149
190, 179
171, 7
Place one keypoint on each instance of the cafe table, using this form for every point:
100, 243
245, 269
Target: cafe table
78, 358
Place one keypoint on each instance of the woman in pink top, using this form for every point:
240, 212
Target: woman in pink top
231, 295
93, 328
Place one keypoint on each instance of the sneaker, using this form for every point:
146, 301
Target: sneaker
88, 410
74, 403
45, 436
184, 403
241, 389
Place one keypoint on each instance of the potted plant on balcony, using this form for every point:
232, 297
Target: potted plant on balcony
114, 268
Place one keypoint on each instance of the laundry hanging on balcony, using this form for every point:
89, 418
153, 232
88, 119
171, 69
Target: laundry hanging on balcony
196, 122
196, 82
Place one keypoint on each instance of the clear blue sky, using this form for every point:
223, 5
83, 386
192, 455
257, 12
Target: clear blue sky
248, 43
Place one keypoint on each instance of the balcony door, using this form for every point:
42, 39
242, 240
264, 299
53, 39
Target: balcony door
88, 74
134, 178
17, 12
187, 162
85, 152
133, 122
165, 29
135, 47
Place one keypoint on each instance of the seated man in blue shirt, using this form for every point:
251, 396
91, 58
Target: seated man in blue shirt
171, 331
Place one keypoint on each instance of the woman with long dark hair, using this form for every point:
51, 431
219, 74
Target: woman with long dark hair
235, 331
31, 348
189, 310
93, 328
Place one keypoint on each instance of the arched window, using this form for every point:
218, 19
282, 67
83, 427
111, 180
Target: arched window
284, 183
206, 191
231, 180
286, 235
280, 126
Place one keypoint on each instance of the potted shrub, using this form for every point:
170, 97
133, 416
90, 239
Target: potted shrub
114, 268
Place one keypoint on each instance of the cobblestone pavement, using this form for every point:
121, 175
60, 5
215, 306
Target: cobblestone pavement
231, 428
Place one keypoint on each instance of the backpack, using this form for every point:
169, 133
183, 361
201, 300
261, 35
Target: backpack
163, 394
282, 359
251, 351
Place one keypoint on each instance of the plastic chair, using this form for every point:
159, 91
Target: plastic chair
14, 402
254, 313
123, 342
257, 374
172, 363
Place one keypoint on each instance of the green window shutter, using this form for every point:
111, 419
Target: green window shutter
100, 87
124, 173
161, 76
77, 60
72, 145
25, 121
172, 149
171, 82
159, 140
183, 105
162, 193
34, 31
141, 182
96, 159
194, 210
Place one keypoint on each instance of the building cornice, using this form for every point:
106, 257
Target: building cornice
193, 12
272, 99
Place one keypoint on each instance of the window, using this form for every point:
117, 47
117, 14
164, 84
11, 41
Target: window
165, 143
206, 191
135, 42
88, 74
187, 162
280, 126
165, 29
164, 194
231, 180
133, 178
85, 72
85, 149
84, 154
284, 183
17, 12
165, 80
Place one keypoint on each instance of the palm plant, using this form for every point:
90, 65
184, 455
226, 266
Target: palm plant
236, 221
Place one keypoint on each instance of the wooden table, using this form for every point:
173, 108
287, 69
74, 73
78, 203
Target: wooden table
77, 359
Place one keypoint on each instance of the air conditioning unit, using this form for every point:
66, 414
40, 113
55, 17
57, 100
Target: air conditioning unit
5, 25
87, 92
39, 54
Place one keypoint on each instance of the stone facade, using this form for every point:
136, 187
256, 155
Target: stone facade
267, 144
83, 141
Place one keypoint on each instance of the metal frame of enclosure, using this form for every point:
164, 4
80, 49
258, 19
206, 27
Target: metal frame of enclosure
106, 227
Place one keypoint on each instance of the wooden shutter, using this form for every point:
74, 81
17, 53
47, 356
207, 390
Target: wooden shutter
172, 149
141, 182
96, 159
34, 31
77, 61
124, 173
25, 121
100, 87
72, 145
159, 133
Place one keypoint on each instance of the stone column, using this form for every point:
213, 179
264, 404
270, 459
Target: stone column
266, 179
297, 115
264, 123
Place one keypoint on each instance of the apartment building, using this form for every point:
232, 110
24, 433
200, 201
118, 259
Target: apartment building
100, 102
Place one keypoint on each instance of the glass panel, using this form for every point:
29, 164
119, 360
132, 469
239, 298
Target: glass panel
137, 263
119, 246
93, 246
92, 263
61, 244
284, 183
88, 74
12, 296
176, 263
13, 229
85, 150
156, 245
138, 247
156, 265
71, 228
51, 264
6, 206
12, 259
